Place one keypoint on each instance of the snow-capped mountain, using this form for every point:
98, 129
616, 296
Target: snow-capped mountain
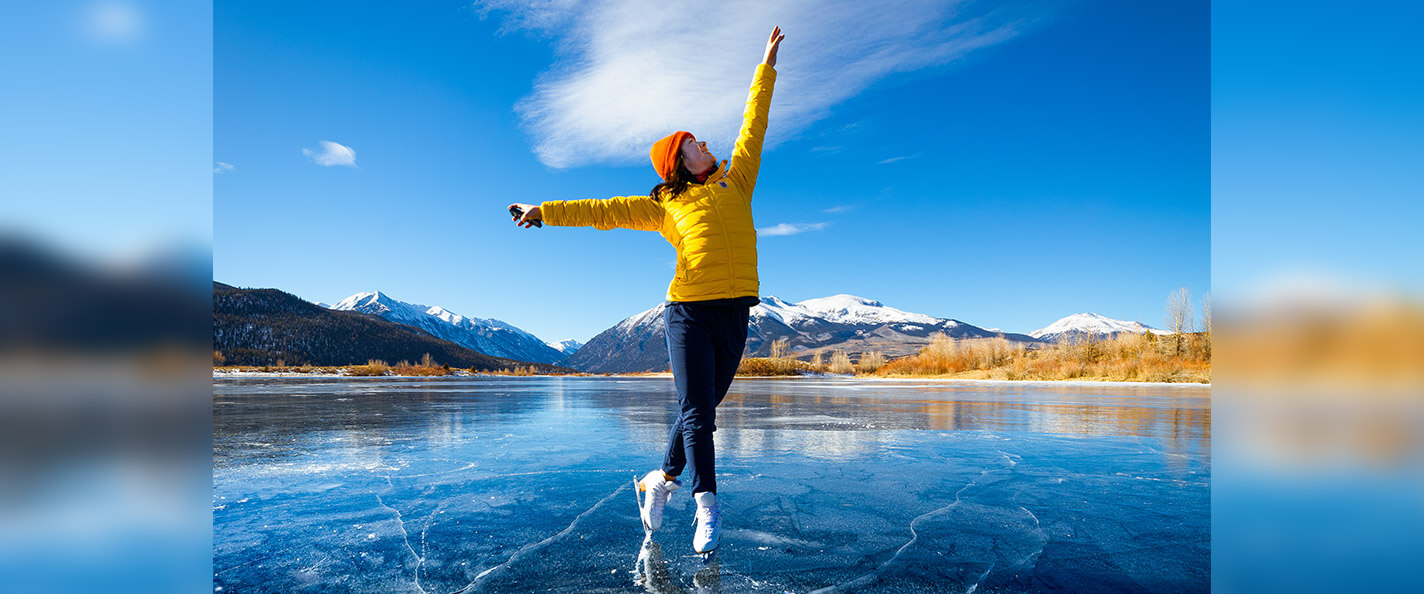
839, 309
853, 324
489, 336
264, 326
1089, 326
567, 346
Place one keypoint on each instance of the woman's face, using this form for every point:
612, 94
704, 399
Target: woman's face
696, 157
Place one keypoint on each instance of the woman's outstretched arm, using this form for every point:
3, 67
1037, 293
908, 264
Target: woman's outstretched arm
746, 153
627, 212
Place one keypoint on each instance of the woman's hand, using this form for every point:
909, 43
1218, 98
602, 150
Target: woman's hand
531, 214
772, 45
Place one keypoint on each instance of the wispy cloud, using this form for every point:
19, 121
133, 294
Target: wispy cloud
332, 154
894, 159
789, 229
628, 72
221, 167
839, 208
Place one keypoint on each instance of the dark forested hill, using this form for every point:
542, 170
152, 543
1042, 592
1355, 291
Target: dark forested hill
261, 326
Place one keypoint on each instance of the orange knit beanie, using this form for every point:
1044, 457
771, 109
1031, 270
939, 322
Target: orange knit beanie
664, 153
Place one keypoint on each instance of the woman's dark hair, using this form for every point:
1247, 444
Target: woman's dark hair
681, 178
674, 187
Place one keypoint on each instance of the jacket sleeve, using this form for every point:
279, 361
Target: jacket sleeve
628, 212
746, 154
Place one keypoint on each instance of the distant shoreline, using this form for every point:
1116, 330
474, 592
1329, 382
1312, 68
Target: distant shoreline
665, 375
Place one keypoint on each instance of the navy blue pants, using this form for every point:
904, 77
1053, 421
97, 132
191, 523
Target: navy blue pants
705, 341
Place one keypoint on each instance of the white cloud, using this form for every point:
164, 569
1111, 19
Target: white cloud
221, 167
332, 154
839, 208
789, 229
631, 71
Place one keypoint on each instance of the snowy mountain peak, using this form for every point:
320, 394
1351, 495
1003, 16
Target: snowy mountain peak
566, 346
368, 302
850, 309
838, 309
445, 315
1090, 324
775, 301
653, 315
842, 300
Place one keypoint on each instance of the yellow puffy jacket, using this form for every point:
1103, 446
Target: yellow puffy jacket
710, 224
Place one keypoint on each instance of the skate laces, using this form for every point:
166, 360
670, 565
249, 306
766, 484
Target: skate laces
660, 492
711, 518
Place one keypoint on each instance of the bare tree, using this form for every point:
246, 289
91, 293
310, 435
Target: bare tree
1179, 315
1206, 326
872, 361
1206, 313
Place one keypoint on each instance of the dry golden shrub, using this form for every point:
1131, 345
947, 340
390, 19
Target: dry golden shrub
372, 367
757, 366
426, 367
519, 371
1128, 357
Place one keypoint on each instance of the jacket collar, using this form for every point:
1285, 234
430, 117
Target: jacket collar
718, 172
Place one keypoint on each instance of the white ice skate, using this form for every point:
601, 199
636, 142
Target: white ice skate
656, 490
708, 533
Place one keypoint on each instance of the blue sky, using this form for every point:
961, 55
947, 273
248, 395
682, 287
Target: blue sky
1316, 151
1003, 166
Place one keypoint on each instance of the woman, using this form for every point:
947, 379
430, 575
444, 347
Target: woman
705, 212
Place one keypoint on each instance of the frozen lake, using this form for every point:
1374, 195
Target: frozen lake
519, 484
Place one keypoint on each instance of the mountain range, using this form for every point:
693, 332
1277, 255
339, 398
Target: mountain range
841, 322
263, 326
489, 336
848, 323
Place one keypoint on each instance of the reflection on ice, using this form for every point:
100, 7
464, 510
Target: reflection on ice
500, 484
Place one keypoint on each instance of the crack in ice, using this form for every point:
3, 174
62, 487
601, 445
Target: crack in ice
870, 578
424, 552
527, 549
981, 579
420, 561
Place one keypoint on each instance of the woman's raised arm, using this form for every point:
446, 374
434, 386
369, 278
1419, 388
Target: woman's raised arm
746, 153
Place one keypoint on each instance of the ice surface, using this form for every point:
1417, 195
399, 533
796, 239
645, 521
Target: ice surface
519, 484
